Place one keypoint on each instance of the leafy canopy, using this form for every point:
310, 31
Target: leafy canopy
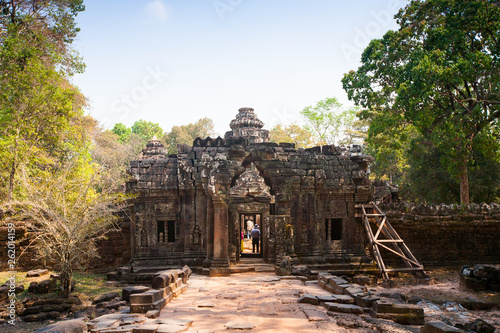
439, 73
329, 123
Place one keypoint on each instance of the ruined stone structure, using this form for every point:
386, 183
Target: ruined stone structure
190, 207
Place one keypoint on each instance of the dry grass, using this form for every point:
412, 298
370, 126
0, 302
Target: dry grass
87, 285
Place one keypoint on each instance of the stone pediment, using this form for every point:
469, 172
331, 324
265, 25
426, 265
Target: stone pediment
251, 184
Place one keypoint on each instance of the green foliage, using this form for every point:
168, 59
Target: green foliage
123, 132
439, 74
39, 108
186, 134
292, 133
329, 123
147, 130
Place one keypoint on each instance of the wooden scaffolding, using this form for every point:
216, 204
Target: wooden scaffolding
381, 235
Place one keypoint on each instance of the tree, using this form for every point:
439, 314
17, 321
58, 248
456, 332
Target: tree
186, 134
123, 132
147, 130
327, 121
68, 209
114, 155
292, 133
37, 102
438, 73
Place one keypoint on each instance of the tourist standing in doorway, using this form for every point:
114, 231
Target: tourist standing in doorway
255, 238
249, 228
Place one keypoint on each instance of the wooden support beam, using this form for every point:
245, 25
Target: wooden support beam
399, 248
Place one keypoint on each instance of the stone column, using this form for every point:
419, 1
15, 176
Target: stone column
220, 260
209, 227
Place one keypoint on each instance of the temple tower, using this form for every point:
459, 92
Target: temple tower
247, 125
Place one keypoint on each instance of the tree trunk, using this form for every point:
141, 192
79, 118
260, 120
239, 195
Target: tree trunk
66, 279
12, 174
464, 184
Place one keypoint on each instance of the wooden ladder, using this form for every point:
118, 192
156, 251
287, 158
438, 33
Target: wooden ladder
387, 238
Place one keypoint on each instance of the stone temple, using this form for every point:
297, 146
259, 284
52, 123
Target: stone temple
190, 207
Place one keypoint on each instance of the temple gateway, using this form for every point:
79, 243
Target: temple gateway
190, 208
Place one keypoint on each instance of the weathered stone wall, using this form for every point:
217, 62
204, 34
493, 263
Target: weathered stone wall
448, 235
23, 238
114, 250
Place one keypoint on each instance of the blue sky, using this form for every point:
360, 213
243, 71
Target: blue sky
176, 61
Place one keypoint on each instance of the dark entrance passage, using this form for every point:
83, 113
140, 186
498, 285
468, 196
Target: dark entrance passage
247, 222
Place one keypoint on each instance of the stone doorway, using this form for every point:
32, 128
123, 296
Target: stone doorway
247, 247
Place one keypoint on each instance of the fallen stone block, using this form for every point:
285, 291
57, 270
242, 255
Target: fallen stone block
37, 273
301, 271
469, 283
43, 287
365, 301
355, 291
5, 290
115, 305
439, 327
127, 291
144, 308
149, 296
343, 308
70, 326
106, 297
309, 299
479, 325
406, 314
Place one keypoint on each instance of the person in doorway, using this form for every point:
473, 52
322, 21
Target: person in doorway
249, 225
255, 238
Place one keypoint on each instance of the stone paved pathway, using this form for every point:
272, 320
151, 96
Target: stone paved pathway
253, 302
261, 300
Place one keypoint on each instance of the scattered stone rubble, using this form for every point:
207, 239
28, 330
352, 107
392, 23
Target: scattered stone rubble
266, 303
354, 298
478, 325
480, 277
53, 308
